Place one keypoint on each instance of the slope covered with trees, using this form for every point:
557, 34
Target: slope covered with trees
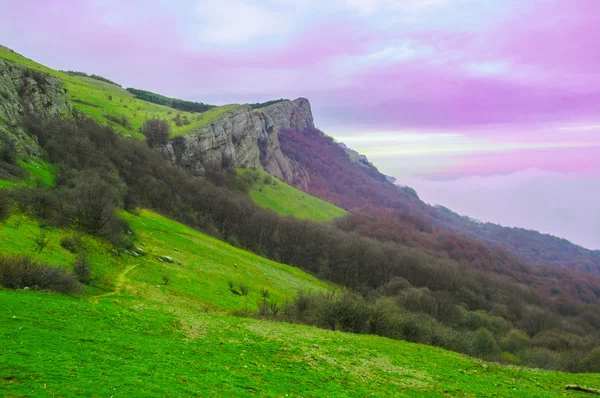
335, 177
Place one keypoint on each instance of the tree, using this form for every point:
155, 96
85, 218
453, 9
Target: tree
484, 343
95, 202
157, 132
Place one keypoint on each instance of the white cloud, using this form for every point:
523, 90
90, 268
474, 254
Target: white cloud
491, 68
561, 204
238, 21
372, 6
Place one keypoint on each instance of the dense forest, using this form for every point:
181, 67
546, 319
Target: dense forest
393, 289
181, 105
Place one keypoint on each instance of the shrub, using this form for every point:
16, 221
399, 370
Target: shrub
484, 344
8, 151
82, 269
41, 240
18, 272
539, 357
591, 362
95, 202
243, 289
514, 341
71, 243
4, 205
157, 132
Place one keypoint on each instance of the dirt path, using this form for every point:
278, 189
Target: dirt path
119, 282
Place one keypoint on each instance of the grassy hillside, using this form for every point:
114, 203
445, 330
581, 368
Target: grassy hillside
269, 192
133, 334
132, 346
36, 172
114, 106
200, 274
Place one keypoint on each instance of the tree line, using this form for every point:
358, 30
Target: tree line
182, 105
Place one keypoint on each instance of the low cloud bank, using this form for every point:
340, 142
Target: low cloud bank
566, 205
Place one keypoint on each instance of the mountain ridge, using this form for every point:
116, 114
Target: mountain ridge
244, 137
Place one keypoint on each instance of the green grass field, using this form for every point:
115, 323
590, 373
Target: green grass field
37, 173
105, 102
130, 334
289, 201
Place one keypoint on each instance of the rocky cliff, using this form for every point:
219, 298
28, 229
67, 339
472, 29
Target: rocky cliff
245, 138
27, 91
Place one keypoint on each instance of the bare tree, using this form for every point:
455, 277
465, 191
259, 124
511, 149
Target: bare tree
95, 202
157, 132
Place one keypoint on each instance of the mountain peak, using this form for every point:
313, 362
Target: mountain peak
291, 115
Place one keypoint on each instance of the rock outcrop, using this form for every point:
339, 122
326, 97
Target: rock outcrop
292, 115
245, 138
27, 91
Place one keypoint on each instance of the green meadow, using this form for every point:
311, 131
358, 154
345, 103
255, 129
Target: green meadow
133, 334
36, 172
270, 192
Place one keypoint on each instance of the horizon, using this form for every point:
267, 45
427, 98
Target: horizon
482, 107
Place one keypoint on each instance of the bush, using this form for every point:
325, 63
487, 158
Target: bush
514, 341
71, 243
95, 203
18, 272
82, 269
157, 132
4, 205
591, 362
539, 357
41, 240
484, 344
243, 289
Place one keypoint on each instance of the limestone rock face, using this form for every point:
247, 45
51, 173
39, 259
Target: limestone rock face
244, 138
27, 91
292, 115
24, 90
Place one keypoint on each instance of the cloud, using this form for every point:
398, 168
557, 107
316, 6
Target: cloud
484, 69
238, 22
561, 204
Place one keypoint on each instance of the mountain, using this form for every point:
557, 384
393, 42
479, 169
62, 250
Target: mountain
93, 210
244, 137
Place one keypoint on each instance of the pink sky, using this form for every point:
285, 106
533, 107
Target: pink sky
430, 89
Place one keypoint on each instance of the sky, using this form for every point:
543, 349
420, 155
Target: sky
489, 107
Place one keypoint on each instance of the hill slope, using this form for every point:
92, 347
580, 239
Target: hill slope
127, 346
201, 270
270, 192
134, 335
113, 106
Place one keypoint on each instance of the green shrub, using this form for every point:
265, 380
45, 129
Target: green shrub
71, 243
40, 240
484, 344
514, 341
82, 269
538, 357
243, 289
